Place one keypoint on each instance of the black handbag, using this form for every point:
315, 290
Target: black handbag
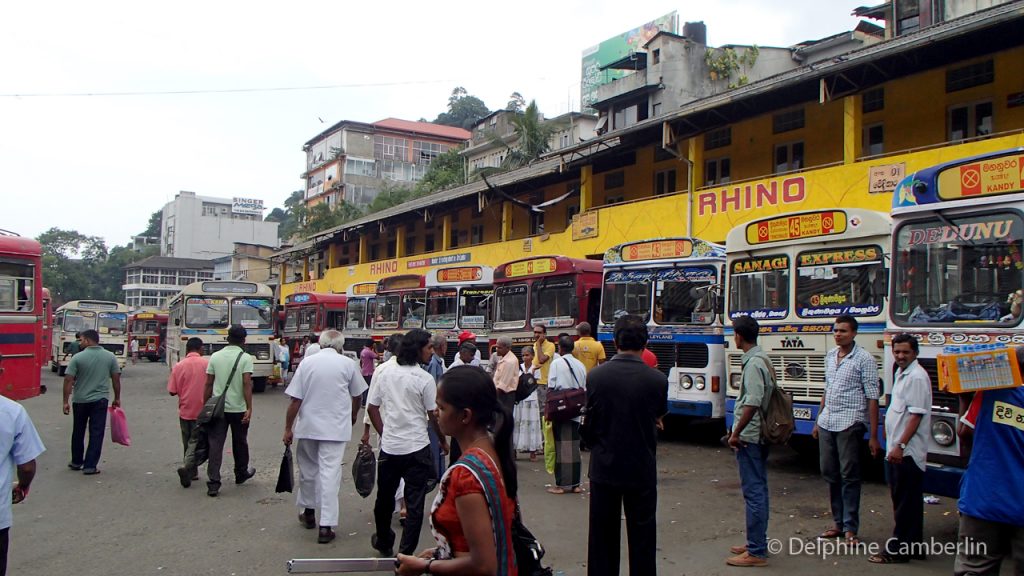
364, 470
285, 478
529, 551
527, 385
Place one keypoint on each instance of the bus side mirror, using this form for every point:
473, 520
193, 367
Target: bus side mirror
177, 321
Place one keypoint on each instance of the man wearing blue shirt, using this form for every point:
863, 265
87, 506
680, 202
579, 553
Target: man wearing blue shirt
20, 446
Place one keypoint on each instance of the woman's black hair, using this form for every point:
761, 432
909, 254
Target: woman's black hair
412, 343
471, 387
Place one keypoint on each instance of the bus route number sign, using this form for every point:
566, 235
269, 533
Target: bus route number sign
991, 177
367, 288
462, 274
797, 226
530, 267
657, 249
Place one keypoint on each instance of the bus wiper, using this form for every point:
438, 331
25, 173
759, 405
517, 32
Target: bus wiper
956, 230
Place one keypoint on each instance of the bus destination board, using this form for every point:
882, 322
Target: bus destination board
657, 249
1000, 175
530, 267
364, 289
461, 274
809, 225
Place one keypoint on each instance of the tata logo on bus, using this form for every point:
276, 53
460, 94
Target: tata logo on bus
810, 225
760, 264
839, 257
657, 249
464, 274
986, 178
753, 195
384, 267
530, 267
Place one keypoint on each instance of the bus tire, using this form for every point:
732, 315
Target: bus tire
259, 385
61, 369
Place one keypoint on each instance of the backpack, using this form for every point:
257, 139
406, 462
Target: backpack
777, 422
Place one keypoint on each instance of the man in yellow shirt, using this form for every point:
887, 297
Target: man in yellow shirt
587, 350
543, 353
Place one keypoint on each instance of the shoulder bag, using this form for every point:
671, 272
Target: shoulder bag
566, 404
214, 407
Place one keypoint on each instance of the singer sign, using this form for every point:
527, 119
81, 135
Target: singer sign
252, 206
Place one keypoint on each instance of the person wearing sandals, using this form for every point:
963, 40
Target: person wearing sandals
566, 373
471, 517
907, 422
527, 415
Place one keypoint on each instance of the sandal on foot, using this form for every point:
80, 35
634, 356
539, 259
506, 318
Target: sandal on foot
577, 490
887, 559
852, 540
830, 534
556, 490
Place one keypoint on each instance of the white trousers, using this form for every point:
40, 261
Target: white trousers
320, 477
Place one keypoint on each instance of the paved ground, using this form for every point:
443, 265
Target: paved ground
135, 519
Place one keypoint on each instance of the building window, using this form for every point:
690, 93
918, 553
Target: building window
970, 121
410, 245
536, 218
908, 16
360, 167
609, 200
789, 120
970, 76
665, 182
717, 171
390, 148
656, 109
454, 239
569, 213
375, 252
656, 56
428, 243
614, 180
873, 100
476, 234
718, 138
789, 157
874, 140
425, 152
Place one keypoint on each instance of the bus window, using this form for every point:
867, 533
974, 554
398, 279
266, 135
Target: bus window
291, 320
307, 318
626, 293
510, 305
256, 313
475, 304
442, 308
684, 296
206, 312
335, 320
371, 310
965, 269
113, 323
759, 287
387, 311
413, 308
16, 287
554, 298
356, 314
78, 321
854, 285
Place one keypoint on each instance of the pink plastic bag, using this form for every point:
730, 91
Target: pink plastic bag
119, 426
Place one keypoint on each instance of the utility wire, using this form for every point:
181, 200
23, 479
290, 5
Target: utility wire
221, 91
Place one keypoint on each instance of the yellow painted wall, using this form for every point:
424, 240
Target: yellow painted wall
836, 186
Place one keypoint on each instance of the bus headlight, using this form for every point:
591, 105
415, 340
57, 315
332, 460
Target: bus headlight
942, 433
686, 382
265, 355
734, 381
699, 383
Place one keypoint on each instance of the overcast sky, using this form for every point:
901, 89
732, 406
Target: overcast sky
102, 164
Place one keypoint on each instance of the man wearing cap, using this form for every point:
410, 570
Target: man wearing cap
467, 336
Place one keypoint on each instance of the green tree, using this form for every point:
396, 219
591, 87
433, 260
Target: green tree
391, 194
294, 215
70, 264
516, 102
156, 221
447, 170
463, 110
530, 139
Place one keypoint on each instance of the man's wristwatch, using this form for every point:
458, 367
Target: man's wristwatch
902, 446
426, 569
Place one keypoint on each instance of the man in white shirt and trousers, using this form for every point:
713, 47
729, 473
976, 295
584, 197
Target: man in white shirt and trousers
326, 393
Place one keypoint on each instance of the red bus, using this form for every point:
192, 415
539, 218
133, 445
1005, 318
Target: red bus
401, 305
309, 314
21, 316
149, 329
556, 291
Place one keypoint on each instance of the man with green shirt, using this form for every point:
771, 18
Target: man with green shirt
229, 372
90, 375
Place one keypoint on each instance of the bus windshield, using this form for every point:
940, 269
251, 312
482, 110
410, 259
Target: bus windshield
387, 311
16, 286
413, 307
685, 295
510, 306
254, 313
113, 323
78, 321
474, 307
850, 281
553, 298
626, 292
291, 320
145, 327
442, 308
963, 269
356, 314
759, 287
206, 312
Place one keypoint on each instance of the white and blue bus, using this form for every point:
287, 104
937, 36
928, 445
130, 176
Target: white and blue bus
674, 285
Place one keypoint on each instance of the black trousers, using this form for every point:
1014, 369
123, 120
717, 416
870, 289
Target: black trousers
607, 503
415, 468
4, 539
218, 435
906, 486
88, 417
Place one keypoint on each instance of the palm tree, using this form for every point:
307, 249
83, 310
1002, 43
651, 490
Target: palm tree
528, 142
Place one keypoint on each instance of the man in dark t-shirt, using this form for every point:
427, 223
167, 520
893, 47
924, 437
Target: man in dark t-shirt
625, 399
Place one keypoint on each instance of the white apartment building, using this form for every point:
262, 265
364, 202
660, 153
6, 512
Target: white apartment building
151, 281
205, 227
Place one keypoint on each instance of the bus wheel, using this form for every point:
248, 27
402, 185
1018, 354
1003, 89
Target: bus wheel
259, 384
61, 369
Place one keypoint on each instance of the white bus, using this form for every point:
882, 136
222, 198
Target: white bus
206, 310
459, 298
110, 319
794, 274
674, 284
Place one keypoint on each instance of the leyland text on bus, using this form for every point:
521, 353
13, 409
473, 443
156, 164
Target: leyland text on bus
22, 315
674, 284
795, 274
206, 310
957, 275
109, 319
459, 299
553, 291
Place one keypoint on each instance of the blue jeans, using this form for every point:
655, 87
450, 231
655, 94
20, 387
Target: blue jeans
752, 460
90, 416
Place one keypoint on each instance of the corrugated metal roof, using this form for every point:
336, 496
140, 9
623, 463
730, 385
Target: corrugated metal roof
440, 130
